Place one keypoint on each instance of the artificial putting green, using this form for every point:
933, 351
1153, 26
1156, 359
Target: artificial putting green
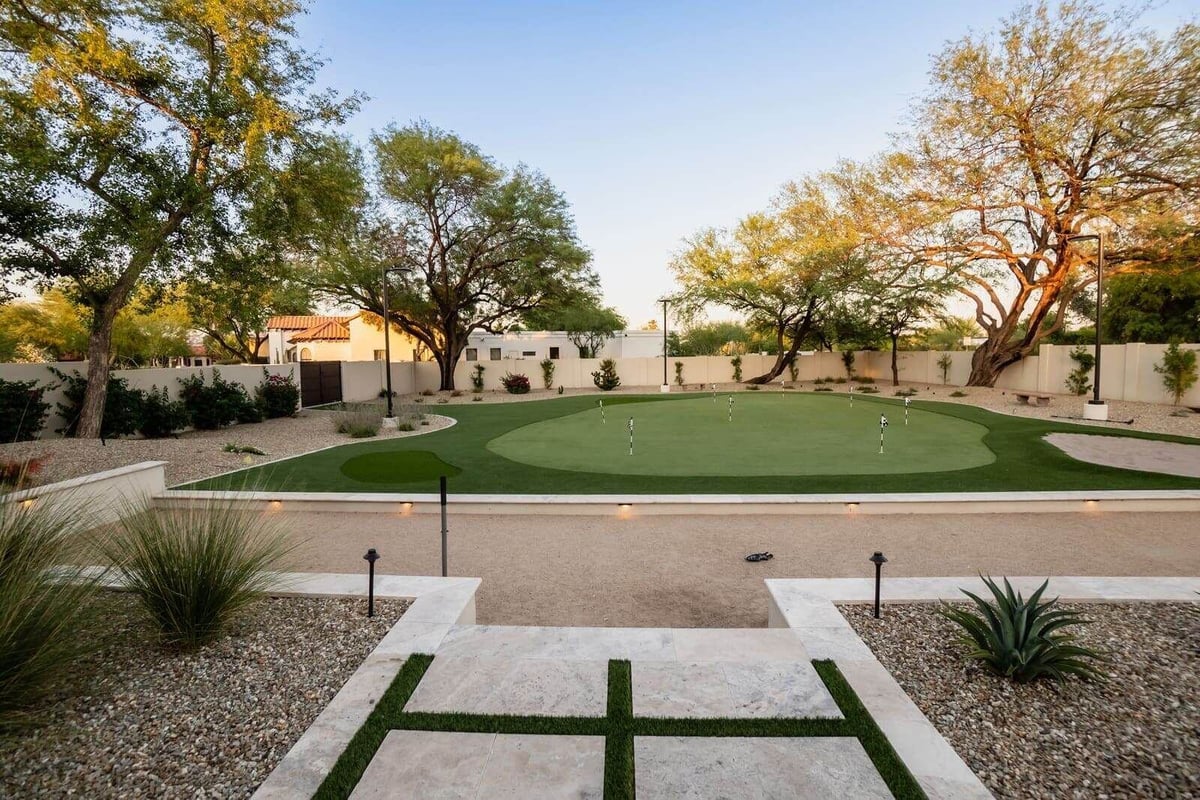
766, 434
917, 459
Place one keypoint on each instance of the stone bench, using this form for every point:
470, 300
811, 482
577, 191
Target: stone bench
1037, 399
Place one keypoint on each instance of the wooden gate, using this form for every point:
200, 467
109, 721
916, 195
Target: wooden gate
320, 382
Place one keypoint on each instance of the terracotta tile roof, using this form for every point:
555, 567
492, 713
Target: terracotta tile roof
331, 330
302, 322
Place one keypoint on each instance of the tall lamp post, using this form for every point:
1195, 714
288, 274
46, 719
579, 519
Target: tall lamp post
1096, 409
387, 340
666, 387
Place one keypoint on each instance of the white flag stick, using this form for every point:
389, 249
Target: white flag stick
731, 408
851, 390
907, 403
602, 412
631, 436
882, 426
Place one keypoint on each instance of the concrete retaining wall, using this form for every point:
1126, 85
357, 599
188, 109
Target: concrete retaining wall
102, 495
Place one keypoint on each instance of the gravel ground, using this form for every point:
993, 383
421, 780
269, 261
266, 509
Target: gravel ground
1136, 736
144, 721
197, 454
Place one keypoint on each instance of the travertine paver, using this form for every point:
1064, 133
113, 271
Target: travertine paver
498, 685
776, 689
432, 765
734, 768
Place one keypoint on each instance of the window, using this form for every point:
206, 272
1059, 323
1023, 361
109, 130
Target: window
305, 354
379, 355
472, 354
529, 354
554, 353
494, 353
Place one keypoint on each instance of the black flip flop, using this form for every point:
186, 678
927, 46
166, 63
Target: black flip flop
759, 557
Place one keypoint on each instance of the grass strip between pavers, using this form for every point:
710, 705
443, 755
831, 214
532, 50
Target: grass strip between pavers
895, 774
619, 728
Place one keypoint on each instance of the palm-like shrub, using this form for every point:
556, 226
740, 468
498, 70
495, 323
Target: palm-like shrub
194, 569
41, 602
1024, 639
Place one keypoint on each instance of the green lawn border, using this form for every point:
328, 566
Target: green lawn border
619, 727
1024, 461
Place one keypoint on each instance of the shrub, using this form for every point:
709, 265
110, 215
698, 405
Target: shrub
606, 378
22, 410
867, 390
383, 393
515, 384
278, 395
863, 379
249, 412
428, 392
958, 394
359, 420
945, 362
560, 390
40, 610
1078, 379
736, 363
405, 426
679, 374
122, 409
443, 401
904, 392
1178, 369
458, 393
793, 370
848, 362
194, 569
547, 373
835, 380
1023, 639
18, 473
823, 388
754, 387
214, 405
161, 416
477, 398
477, 379
819, 381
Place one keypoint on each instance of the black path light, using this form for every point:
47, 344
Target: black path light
371, 557
878, 560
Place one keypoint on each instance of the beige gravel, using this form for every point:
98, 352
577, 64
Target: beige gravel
139, 720
197, 454
688, 571
1135, 736
1170, 458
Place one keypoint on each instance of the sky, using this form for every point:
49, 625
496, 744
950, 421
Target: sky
655, 119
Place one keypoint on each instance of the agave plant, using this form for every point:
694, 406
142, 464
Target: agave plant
1024, 639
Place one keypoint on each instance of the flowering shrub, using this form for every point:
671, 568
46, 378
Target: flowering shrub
278, 395
515, 384
19, 473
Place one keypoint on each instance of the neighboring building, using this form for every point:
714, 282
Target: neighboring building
360, 338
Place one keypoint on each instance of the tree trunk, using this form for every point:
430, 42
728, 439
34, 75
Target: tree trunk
448, 357
895, 367
784, 358
91, 413
989, 360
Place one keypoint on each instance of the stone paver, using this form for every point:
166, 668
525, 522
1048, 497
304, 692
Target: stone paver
734, 768
432, 765
493, 685
776, 689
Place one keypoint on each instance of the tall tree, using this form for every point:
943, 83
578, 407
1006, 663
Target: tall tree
133, 131
781, 270
484, 244
1065, 121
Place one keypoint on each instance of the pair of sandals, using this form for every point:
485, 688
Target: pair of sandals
764, 556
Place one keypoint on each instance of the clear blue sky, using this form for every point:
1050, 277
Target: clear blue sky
654, 118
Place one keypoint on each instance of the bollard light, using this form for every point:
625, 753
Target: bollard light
878, 560
371, 557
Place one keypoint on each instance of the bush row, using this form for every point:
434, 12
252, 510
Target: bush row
205, 405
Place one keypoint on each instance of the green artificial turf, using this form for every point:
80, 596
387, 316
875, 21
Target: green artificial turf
766, 434
789, 428
619, 727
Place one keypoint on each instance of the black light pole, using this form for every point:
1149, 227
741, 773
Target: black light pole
371, 557
387, 340
1099, 239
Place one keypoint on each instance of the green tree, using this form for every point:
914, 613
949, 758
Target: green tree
136, 132
1178, 369
1066, 120
714, 339
485, 245
1153, 308
587, 322
949, 333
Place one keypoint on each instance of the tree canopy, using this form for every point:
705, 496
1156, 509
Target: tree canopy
136, 137
484, 244
587, 322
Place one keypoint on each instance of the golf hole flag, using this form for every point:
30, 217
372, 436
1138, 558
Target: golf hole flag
907, 403
882, 426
